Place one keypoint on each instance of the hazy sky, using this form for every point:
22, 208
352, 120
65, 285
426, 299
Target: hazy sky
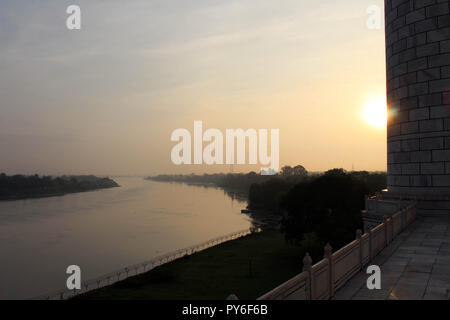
105, 99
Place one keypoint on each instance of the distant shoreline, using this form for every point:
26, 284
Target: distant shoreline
18, 187
61, 194
237, 193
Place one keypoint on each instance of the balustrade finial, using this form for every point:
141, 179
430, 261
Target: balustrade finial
328, 251
307, 262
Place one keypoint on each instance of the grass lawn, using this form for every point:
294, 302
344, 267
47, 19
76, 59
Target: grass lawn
247, 267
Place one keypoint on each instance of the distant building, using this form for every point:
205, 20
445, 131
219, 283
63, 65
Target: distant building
268, 172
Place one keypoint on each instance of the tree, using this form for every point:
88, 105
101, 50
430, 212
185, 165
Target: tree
300, 171
287, 171
330, 206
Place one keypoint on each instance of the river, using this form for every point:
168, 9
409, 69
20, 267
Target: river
105, 230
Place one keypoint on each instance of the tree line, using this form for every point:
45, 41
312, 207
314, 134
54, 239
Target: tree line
21, 186
316, 208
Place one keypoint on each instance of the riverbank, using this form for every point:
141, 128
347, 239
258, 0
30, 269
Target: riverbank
248, 267
19, 187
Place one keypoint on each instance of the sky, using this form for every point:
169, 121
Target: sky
105, 99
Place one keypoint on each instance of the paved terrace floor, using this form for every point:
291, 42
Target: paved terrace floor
415, 266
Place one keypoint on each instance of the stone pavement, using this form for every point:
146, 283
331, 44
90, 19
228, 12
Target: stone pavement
415, 266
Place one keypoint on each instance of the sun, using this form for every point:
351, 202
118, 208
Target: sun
375, 113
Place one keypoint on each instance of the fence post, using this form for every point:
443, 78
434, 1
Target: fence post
307, 266
358, 238
370, 245
328, 254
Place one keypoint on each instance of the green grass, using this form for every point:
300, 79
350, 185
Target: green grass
215, 273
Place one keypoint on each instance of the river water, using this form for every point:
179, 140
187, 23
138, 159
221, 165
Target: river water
105, 230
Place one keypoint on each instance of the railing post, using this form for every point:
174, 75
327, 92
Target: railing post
415, 209
370, 245
358, 238
406, 217
385, 222
403, 215
307, 266
328, 254
391, 221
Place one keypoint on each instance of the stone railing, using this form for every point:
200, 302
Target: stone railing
322, 280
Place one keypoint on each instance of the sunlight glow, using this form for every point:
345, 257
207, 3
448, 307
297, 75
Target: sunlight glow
375, 113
